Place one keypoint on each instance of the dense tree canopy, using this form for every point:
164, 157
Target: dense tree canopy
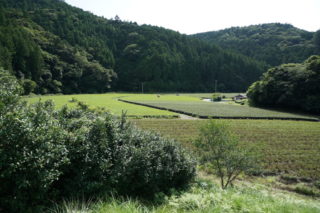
45, 62
64, 49
273, 43
293, 86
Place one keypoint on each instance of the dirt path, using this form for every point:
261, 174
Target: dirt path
187, 117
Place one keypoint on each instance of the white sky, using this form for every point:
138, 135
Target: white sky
194, 16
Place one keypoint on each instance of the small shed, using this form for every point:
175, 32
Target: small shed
239, 97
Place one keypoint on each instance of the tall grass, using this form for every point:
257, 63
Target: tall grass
205, 197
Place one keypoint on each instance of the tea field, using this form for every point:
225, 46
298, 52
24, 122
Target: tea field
287, 147
194, 106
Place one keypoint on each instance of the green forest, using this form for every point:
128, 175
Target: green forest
52, 47
273, 43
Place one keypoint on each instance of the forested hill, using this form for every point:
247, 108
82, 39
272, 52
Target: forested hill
273, 43
54, 47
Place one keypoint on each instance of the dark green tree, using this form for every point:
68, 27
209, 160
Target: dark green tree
317, 40
294, 86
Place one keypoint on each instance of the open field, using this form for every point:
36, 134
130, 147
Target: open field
183, 103
288, 147
194, 106
108, 101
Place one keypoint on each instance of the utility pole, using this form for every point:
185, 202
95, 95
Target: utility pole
215, 86
142, 87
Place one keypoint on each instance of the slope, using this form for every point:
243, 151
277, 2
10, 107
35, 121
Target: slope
273, 43
160, 59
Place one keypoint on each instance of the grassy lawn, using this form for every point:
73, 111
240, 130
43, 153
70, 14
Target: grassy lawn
195, 106
290, 147
108, 101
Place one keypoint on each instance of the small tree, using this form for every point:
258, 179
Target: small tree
221, 150
28, 86
216, 97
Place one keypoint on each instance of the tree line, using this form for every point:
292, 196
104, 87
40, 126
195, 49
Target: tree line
293, 86
59, 48
273, 43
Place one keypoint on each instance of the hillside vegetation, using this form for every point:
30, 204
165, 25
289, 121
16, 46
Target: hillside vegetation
65, 49
274, 43
294, 86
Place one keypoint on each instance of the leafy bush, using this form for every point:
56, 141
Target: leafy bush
112, 155
216, 97
47, 155
28, 86
33, 151
9, 90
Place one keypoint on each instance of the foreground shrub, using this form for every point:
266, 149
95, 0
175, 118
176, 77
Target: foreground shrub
49, 155
32, 153
111, 155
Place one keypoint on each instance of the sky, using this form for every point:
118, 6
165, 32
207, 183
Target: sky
195, 16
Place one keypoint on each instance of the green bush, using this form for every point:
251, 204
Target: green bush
156, 164
32, 153
110, 155
28, 86
9, 90
216, 97
48, 155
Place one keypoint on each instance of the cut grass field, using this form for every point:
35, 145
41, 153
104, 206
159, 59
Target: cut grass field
108, 101
194, 106
287, 147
